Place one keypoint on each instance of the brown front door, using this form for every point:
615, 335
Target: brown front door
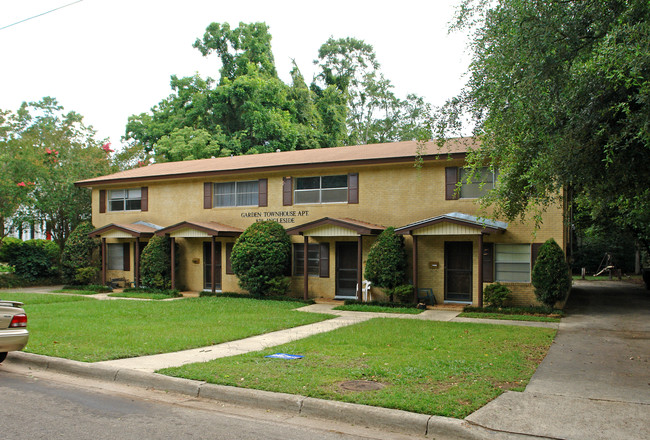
207, 266
346, 269
458, 271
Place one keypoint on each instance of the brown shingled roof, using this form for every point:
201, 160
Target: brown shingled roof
339, 156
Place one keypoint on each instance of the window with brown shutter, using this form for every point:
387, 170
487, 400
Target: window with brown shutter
263, 192
287, 191
144, 198
488, 262
353, 188
207, 195
451, 179
102, 201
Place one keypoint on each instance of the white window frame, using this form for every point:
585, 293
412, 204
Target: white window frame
517, 255
320, 190
128, 195
237, 193
482, 187
115, 256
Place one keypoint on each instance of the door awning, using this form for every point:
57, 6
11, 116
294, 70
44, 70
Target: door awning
454, 223
126, 230
336, 227
191, 229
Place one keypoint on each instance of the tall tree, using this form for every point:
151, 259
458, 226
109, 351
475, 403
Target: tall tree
51, 150
249, 110
559, 93
375, 114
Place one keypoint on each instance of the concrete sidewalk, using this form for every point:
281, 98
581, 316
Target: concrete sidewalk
594, 383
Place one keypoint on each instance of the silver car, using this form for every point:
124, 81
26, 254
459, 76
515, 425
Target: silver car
13, 327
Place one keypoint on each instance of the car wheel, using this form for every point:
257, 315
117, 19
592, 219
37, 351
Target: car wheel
3, 356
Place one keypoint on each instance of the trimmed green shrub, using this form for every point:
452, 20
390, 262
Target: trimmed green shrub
550, 275
86, 275
279, 286
33, 259
404, 293
261, 254
496, 294
386, 264
6, 245
77, 254
155, 263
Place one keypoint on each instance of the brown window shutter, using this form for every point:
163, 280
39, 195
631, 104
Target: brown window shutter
324, 263
534, 251
102, 201
127, 256
228, 255
263, 192
287, 191
207, 195
353, 188
488, 262
451, 179
144, 201
297, 267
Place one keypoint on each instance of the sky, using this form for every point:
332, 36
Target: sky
109, 59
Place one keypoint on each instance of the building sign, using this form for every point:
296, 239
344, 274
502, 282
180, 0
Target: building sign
276, 216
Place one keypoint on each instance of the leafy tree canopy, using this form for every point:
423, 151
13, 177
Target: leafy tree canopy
250, 110
559, 93
43, 151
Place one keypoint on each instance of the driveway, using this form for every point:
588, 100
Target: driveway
595, 381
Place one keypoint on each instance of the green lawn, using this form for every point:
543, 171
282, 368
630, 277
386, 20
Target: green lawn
90, 330
76, 291
443, 368
513, 317
141, 295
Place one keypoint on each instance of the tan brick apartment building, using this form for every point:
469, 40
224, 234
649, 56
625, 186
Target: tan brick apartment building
333, 202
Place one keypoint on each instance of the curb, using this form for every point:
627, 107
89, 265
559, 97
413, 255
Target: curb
393, 420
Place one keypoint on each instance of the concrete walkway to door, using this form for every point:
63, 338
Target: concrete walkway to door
595, 381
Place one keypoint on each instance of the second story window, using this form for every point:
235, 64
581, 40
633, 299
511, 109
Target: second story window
480, 182
236, 193
125, 199
321, 189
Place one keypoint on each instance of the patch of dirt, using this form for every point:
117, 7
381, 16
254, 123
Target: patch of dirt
507, 385
361, 385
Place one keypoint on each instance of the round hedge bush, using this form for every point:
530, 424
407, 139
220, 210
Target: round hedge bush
386, 265
260, 256
551, 276
155, 263
76, 258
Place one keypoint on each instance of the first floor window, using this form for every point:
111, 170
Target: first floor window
512, 263
321, 189
115, 258
313, 259
236, 193
482, 181
317, 259
125, 199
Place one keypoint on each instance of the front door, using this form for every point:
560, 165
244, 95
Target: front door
346, 269
458, 271
207, 266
